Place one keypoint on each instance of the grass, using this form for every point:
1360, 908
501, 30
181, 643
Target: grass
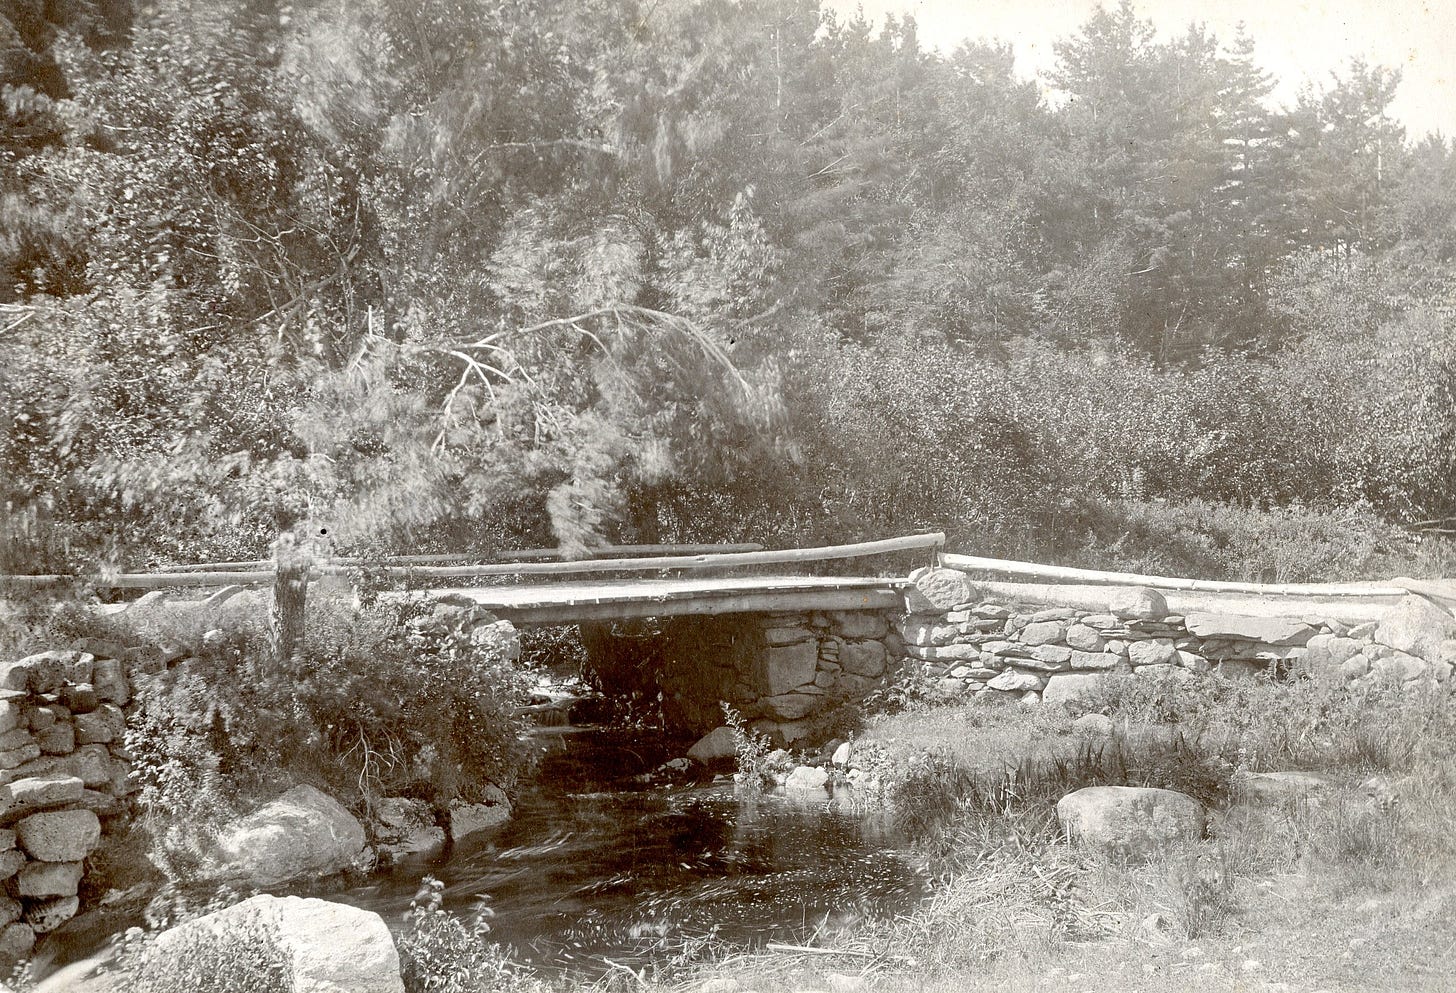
1341, 894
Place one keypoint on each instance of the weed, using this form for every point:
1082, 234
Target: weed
752, 750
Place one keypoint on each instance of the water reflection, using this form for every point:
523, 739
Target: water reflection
593, 866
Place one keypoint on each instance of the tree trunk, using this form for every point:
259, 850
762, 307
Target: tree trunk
292, 565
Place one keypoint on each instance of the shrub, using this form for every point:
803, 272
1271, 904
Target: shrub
391, 700
439, 952
752, 751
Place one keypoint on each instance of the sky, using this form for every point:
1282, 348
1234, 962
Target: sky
1298, 41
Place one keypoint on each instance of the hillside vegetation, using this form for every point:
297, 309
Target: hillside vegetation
452, 275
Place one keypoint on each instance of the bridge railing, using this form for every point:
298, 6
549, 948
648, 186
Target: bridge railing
416, 567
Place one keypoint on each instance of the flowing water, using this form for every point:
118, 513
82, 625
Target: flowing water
594, 865
599, 864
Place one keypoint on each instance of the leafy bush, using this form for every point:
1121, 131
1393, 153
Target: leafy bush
390, 700
752, 750
439, 952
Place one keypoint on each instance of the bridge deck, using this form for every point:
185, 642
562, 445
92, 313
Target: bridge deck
570, 603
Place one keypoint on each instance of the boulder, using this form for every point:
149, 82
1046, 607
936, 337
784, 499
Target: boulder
403, 826
936, 590
1094, 725
39, 673
1072, 687
12, 712
1417, 627
59, 835
1130, 822
60, 739
1094, 660
716, 746
102, 726
302, 833
1048, 657
1270, 630
807, 777
841, 755
787, 666
1043, 633
45, 916
16, 941
1400, 667
1084, 638
1140, 603
468, 818
1326, 653
790, 706
329, 947
1013, 681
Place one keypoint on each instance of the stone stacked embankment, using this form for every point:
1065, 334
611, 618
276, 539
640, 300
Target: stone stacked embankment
985, 648
64, 780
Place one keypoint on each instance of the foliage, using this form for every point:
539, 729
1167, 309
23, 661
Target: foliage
752, 750
382, 702
473, 275
439, 952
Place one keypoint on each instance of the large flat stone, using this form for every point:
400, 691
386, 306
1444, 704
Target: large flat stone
1270, 630
863, 658
1072, 687
787, 666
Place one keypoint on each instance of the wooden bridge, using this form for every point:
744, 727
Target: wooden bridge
526, 587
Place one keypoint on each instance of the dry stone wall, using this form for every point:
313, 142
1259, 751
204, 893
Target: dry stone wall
991, 649
64, 779
781, 671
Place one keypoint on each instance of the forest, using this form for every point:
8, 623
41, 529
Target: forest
459, 275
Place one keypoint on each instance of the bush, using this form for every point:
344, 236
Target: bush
391, 700
441, 953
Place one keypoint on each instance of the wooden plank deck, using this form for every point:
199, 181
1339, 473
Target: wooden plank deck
570, 603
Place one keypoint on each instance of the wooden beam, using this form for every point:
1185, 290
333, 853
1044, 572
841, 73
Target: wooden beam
773, 601
1060, 574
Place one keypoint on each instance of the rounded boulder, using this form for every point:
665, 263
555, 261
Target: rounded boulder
1130, 822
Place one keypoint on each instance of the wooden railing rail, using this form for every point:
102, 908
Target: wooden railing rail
713, 560
1062, 574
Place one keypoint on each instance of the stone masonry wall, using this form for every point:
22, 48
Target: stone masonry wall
991, 649
780, 671
64, 779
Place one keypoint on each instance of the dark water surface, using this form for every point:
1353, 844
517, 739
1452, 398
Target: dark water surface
597, 864
594, 865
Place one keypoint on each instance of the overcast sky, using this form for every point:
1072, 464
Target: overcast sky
1297, 40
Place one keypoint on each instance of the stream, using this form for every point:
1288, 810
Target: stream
596, 866
600, 868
